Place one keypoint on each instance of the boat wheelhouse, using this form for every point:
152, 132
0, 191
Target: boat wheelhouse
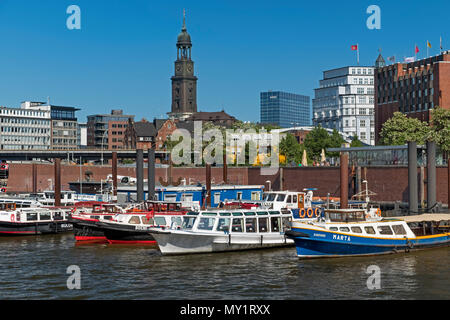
32, 221
222, 230
349, 232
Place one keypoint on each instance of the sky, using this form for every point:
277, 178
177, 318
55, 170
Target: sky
123, 55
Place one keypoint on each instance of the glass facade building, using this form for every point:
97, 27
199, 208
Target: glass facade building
285, 109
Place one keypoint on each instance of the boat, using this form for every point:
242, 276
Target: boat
209, 231
32, 221
85, 216
132, 226
350, 232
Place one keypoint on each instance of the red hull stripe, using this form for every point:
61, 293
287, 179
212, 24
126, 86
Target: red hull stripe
90, 238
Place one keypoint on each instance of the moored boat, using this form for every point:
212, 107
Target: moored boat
32, 221
226, 230
346, 232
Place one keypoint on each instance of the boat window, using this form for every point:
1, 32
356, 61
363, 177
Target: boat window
261, 213
398, 229
344, 229
274, 212
237, 225
289, 199
286, 223
333, 229
32, 216
146, 220
369, 230
206, 223
250, 225
192, 213
160, 221
44, 216
134, 220
249, 213
176, 221
356, 229
237, 213
281, 197
275, 222
188, 222
294, 199
271, 197
223, 224
226, 214
262, 224
209, 214
384, 230
57, 216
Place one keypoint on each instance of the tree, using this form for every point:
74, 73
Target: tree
440, 128
356, 143
400, 129
318, 139
291, 149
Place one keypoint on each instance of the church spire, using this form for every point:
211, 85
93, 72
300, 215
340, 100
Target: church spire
184, 20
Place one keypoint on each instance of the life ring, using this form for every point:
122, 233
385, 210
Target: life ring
302, 213
309, 213
379, 212
13, 218
317, 212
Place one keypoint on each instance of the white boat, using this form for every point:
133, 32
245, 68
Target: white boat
220, 230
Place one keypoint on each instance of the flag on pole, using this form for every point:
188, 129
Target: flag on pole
417, 49
428, 44
355, 47
410, 59
440, 40
391, 59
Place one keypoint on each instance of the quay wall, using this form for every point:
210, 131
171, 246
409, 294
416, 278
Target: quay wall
390, 183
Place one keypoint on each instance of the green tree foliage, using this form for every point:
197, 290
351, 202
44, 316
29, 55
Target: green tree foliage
400, 129
318, 139
440, 128
291, 149
356, 143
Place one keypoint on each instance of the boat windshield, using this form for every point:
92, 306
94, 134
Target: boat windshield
188, 222
271, 197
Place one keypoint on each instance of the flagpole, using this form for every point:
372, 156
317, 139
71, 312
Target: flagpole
357, 53
427, 50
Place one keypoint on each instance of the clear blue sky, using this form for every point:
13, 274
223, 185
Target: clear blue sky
123, 55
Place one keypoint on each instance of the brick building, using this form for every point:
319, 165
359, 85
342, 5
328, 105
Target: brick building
411, 88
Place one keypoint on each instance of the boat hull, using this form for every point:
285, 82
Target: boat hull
126, 234
311, 243
171, 243
87, 230
34, 228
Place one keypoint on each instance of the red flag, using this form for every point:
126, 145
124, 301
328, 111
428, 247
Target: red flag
355, 47
417, 49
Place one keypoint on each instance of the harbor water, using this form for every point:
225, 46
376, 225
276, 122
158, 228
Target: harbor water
36, 267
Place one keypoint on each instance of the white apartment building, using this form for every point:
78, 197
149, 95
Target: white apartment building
345, 101
25, 129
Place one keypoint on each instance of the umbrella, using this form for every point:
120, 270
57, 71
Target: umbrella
304, 159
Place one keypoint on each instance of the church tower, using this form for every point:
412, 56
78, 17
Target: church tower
184, 83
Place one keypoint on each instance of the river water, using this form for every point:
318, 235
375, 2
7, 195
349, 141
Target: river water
36, 268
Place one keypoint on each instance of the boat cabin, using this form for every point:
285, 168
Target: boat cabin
287, 199
146, 220
241, 221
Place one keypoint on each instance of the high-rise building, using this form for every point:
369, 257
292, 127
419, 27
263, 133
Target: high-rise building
412, 88
345, 102
184, 83
285, 109
107, 130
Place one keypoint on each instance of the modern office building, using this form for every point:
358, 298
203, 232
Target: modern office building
107, 130
25, 128
412, 88
345, 101
63, 124
285, 109
82, 135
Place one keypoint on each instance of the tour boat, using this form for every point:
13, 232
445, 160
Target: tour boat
132, 226
347, 232
85, 216
32, 221
225, 230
